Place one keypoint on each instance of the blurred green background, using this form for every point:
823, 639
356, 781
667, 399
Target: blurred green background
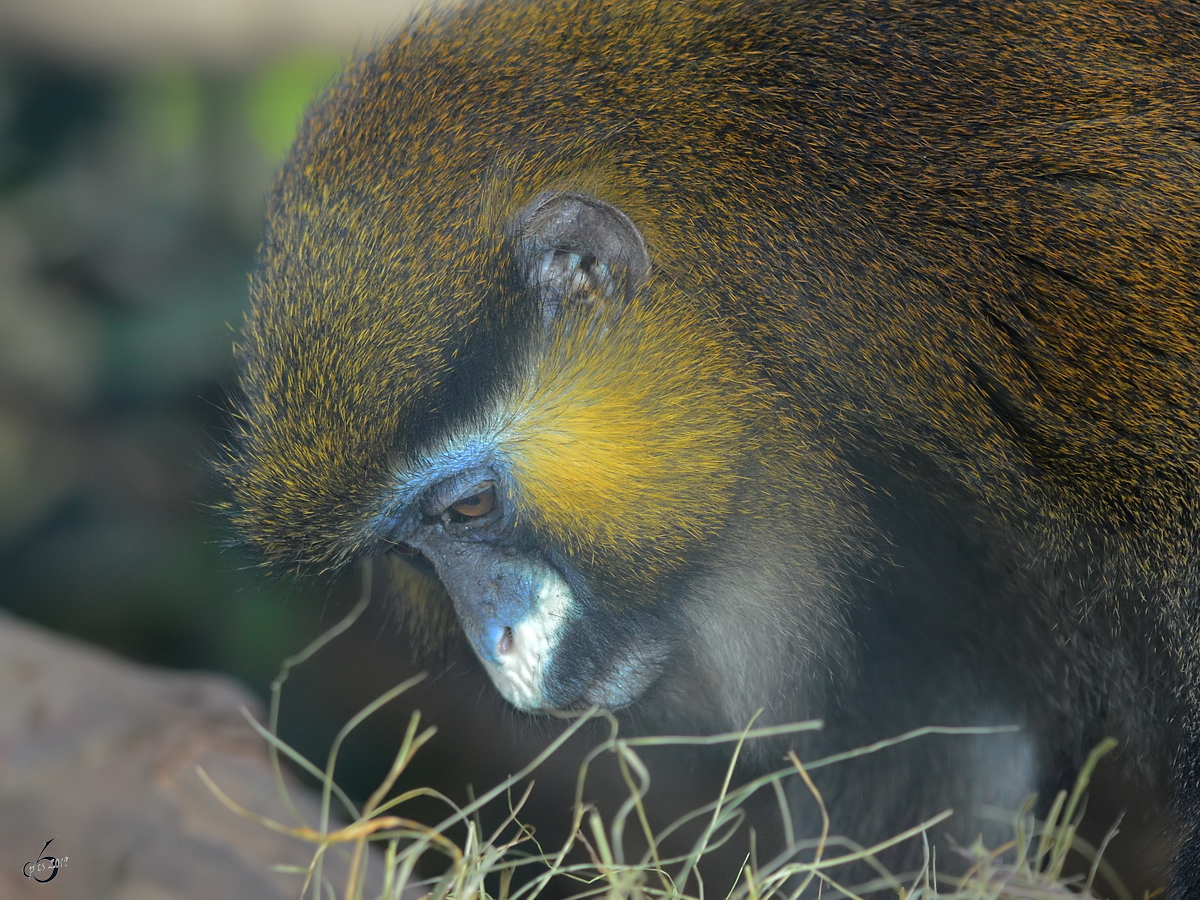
129, 211
131, 198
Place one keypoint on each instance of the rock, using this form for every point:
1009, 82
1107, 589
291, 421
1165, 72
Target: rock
98, 756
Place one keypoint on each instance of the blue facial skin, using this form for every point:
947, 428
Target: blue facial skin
402, 510
412, 483
515, 595
493, 588
495, 580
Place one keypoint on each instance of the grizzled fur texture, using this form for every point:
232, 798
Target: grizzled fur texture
840, 359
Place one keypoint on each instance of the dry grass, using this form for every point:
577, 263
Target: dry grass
482, 866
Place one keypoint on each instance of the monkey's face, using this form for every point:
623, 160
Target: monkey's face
559, 483
560, 515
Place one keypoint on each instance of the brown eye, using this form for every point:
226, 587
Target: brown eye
476, 505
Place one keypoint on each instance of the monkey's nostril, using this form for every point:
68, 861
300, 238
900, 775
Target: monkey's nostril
497, 642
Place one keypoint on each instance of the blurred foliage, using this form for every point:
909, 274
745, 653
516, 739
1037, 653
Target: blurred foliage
130, 207
277, 99
41, 107
165, 109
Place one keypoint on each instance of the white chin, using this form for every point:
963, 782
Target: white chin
521, 673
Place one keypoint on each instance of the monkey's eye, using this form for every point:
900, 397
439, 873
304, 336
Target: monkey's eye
474, 506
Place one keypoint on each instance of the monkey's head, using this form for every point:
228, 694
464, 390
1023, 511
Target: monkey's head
471, 347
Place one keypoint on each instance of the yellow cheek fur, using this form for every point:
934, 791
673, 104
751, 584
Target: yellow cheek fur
627, 436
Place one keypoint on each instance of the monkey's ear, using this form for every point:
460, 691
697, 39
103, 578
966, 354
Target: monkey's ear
574, 248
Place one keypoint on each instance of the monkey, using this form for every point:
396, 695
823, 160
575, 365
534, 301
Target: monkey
832, 359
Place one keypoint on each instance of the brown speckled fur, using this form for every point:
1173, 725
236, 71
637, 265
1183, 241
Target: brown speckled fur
938, 254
